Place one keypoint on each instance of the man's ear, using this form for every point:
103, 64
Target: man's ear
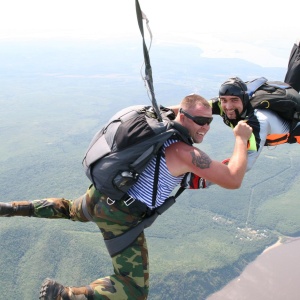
181, 117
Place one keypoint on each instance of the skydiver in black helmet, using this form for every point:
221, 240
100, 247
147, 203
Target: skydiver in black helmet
233, 105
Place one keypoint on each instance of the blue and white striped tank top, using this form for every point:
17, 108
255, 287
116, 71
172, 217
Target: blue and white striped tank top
142, 190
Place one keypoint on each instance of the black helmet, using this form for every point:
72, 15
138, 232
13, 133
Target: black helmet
235, 87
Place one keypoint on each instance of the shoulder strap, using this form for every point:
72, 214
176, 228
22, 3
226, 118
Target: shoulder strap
155, 182
255, 84
183, 132
156, 176
280, 86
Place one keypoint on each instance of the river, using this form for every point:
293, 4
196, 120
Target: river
274, 275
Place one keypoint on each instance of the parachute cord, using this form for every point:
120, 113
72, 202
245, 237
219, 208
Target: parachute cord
149, 47
148, 80
144, 17
249, 208
263, 182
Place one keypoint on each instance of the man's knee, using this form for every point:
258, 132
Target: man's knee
119, 287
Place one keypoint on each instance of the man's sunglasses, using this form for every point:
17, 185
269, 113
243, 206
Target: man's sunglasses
201, 121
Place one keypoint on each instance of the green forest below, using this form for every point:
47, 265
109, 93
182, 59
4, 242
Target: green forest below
54, 99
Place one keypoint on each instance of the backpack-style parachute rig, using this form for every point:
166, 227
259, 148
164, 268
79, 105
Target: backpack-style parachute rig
121, 150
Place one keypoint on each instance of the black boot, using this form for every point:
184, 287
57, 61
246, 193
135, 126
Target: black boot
18, 208
52, 290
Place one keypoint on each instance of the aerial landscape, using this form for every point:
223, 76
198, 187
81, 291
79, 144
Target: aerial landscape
54, 97
66, 68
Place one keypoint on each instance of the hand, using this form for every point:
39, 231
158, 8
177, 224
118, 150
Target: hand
193, 181
243, 130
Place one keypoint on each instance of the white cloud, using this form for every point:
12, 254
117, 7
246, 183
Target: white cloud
223, 28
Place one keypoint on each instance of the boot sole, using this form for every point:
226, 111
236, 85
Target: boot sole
44, 288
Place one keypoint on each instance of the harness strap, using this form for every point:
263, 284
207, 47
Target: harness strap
281, 86
156, 176
255, 84
90, 295
121, 242
85, 210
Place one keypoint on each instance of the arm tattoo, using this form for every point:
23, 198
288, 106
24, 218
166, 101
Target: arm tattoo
202, 160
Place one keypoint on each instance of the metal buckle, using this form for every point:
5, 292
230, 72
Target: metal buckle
110, 201
129, 201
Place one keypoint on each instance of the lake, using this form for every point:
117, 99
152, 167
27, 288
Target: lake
274, 275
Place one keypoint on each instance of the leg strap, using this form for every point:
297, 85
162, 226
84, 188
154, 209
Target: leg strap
85, 210
90, 291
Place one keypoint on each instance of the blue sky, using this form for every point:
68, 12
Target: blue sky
258, 31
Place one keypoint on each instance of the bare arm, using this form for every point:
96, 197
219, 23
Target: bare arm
182, 158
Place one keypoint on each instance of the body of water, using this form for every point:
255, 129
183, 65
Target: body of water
274, 275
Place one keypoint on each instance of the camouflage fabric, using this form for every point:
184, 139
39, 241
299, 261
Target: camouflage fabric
131, 270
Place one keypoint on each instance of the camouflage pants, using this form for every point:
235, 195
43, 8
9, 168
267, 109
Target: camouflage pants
131, 270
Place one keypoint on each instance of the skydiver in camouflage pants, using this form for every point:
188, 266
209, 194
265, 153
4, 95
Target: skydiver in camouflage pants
131, 268
131, 278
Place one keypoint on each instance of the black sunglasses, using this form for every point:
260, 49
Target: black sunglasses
201, 121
